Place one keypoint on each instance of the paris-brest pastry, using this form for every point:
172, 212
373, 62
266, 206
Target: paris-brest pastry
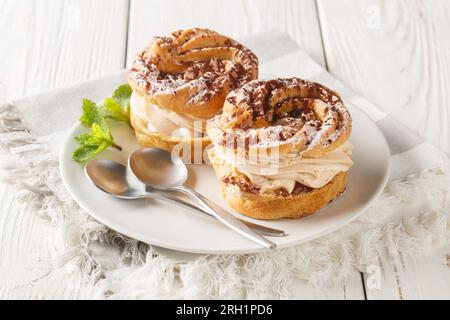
181, 80
280, 148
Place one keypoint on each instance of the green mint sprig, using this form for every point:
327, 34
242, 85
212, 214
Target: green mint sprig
118, 106
95, 116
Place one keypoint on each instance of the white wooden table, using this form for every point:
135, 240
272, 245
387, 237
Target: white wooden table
396, 53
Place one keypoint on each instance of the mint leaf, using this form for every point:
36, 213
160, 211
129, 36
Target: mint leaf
118, 106
83, 138
122, 96
93, 142
114, 111
101, 133
91, 113
86, 152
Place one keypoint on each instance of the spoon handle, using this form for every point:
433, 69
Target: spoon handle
263, 230
226, 218
257, 227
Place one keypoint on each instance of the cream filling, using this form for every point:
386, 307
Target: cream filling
166, 122
311, 172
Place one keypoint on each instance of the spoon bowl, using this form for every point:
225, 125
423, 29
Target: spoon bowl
158, 168
108, 175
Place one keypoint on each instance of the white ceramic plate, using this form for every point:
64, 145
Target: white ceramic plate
168, 226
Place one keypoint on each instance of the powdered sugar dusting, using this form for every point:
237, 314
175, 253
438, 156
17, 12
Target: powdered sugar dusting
199, 59
283, 111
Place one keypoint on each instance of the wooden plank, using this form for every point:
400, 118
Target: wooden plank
49, 44
238, 18
351, 288
26, 256
297, 18
397, 54
425, 276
